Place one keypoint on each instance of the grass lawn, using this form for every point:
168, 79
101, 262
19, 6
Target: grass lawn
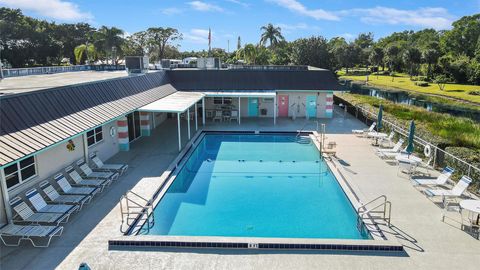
403, 82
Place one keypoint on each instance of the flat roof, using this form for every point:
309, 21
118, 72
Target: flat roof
30, 83
177, 102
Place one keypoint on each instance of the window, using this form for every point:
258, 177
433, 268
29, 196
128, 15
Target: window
20, 172
222, 100
94, 136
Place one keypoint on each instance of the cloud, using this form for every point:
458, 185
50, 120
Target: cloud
297, 7
348, 36
171, 11
433, 17
204, 6
55, 9
243, 4
197, 35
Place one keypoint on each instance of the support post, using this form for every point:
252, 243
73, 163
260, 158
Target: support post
329, 104
122, 131
196, 122
203, 111
153, 120
145, 126
239, 112
275, 110
5, 196
188, 122
179, 134
85, 147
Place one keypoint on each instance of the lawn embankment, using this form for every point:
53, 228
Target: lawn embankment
469, 93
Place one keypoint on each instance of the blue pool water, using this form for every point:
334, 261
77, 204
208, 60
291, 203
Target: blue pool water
255, 186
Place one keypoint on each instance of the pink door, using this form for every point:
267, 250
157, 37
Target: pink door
282, 105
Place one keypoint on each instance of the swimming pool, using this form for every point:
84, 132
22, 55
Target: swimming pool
267, 185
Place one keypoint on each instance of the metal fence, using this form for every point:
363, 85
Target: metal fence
16, 72
441, 158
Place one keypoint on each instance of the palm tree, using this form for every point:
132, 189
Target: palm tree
250, 53
411, 57
430, 57
271, 34
107, 39
87, 50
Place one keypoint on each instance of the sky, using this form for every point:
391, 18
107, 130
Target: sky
229, 19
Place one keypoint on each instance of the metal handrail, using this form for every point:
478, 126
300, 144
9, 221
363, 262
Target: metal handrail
404, 132
146, 209
362, 210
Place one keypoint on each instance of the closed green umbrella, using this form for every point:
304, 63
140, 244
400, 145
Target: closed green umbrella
379, 117
411, 137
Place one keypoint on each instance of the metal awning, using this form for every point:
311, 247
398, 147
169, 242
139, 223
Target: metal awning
239, 93
177, 102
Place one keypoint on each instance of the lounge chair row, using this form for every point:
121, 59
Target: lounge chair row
51, 207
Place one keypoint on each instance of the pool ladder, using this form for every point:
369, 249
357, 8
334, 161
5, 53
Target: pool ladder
378, 208
134, 210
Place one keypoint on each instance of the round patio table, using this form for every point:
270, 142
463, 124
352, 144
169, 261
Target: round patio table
408, 158
472, 206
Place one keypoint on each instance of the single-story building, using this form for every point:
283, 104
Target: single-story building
44, 128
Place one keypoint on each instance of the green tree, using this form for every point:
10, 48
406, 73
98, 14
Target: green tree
412, 58
376, 57
250, 54
160, 37
430, 57
462, 38
83, 51
108, 38
364, 43
311, 51
271, 34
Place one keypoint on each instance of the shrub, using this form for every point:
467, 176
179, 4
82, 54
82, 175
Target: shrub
474, 93
422, 84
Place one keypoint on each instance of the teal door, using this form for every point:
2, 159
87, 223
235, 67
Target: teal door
252, 107
311, 106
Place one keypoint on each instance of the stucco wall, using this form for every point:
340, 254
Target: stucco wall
108, 146
297, 102
159, 118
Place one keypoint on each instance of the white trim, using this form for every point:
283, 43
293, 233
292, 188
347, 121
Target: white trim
21, 181
5, 196
179, 133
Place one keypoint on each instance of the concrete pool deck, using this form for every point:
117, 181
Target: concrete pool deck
429, 243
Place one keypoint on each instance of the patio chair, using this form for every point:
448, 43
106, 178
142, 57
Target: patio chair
118, 168
41, 205
455, 192
55, 197
88, 173
364, 131
25, 214
388, 140
442, 179
79, 180
75, 189
394, 149
234, 116
30, 233
391, 155
218, 116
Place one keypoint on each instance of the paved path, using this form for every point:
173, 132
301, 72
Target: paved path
429, 243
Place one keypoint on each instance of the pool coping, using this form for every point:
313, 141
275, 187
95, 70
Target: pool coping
132, 240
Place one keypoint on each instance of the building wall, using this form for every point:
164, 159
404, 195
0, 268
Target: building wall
109, 146
297, 103
159, 118
3, 214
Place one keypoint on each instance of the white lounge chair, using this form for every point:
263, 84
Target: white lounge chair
30, 233
55, 197
442, 179
388, 140
41, 205
75, 189
394, 149
218, 116
364, 131
88, 173
79, 180
456, 191
234, 116
24, 214
118, 168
